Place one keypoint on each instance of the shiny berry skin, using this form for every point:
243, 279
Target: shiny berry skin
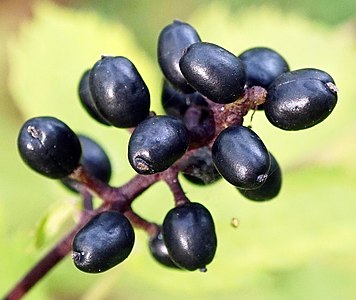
214, 72
199, 167
105, 241
300, 99
49, 147
262, 66
173, 40
94, 160
270, 188
159, 250
241, 157
87, 101
119, 92
156, 143
176, 103
189, 234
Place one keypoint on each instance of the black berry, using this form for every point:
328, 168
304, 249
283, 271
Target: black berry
241, 157
119, 92
199, 167
49, 147
176, 103
262, 66
189, 234
159, 250
172, 42
157, 143
105, 241
270, 188
214, 72
86, 99
94, 160
300, 99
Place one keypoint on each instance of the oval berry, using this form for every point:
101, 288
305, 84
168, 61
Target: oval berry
87, 101
105, 241
172, 42
49, 146
214, 72
176, 103
262, 65
270, 188
94, 160
241, 157
199, 167
189, 234
119, 92
159, 250
300, 99
157, 143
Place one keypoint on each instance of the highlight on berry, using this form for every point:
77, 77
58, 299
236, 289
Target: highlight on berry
206, 93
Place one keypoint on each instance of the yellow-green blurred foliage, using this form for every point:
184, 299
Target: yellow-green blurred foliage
299, 246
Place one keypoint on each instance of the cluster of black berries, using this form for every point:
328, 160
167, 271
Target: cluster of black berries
206, 92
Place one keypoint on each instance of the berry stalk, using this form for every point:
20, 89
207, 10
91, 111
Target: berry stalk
206, 93
49, 261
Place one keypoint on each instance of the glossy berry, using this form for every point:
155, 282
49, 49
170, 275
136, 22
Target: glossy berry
94, 160
105, 241
172, 42
157, 143
119, 92
176, 103
214, 72
262, 66
241, 157
86, 99
49, 147
189, 234
199, 167
159, 250
271, 187
300, 99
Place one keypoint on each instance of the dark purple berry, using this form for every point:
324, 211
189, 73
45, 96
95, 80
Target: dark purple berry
271, 187
172, 42
199, 167
176, 103
157, 143
262, 66
105, 241
159, 250
189, 234
300, 99
49, 147
214, 72
87, 101
119, 92
241, 157
94, 160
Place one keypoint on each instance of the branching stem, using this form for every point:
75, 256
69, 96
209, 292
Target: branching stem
52, 258
204, 126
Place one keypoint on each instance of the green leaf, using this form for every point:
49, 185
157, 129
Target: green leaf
53, 222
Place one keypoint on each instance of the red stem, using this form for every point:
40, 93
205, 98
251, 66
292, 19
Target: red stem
114, 198
141, 223
122, 197
54, 256
100, 188
171, 178
136, 186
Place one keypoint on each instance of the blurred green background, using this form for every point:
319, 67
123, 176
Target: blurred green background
302, 245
